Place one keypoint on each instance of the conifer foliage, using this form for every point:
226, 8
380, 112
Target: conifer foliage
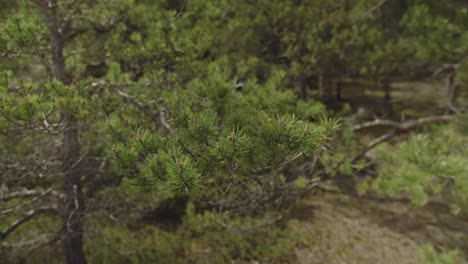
224, 148
112, 111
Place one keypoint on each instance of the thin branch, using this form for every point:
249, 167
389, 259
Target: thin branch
369, 12
375, 123
397, 128
25, 218
266, 223
31, 193
160, 116
374, 143
374, 8
279, 166
19, 206
449, 68
311, 185
451, 88
405, 125
174, 49
29, 244
451, 71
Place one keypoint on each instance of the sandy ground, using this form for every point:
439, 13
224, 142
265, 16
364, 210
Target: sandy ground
337, 227
341, 228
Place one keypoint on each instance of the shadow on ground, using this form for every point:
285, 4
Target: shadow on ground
343, 228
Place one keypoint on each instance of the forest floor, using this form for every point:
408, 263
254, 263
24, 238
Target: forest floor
337, 227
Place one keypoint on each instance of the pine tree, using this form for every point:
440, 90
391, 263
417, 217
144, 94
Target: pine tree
219, 144
206, 106
57, 107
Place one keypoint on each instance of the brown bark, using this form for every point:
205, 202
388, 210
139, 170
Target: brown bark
323, 92
302, 87
72, 229
452, 93
397, 128
74, 207
387, 99
338, 91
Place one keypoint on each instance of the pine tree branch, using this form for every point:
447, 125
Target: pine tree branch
29, 244
284, 213
374, 8
22, 205
450, 68
159, 116
397, 128
174, 49
49, 210
374, 143
404, 126
369, 12
281, 165
31, 193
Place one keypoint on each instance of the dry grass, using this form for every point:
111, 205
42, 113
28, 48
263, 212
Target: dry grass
341, 228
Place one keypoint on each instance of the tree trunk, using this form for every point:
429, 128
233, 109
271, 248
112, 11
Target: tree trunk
338, 90
302, 87
72, 226
74, 207
323, 89
452, 93
387, 99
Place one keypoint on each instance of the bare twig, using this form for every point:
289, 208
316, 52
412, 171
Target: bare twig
160, 116
30, 244
397, 128
264, 169
451, 92
373, 144
19, 206
450, 68
405, 125
31, 193
451, 71
369, 12
311, 185
25, 218
174, 49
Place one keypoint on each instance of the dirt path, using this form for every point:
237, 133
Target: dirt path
340, 228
